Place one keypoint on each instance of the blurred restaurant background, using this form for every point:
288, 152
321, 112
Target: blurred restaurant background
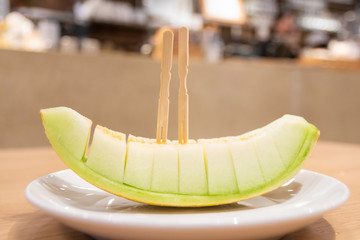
251, 62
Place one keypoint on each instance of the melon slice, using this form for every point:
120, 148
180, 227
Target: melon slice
139, 163
165, 172
243, 154
107, 155
192, 170
220, 167
201, 173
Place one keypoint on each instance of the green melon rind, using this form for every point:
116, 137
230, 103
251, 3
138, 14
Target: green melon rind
179, 200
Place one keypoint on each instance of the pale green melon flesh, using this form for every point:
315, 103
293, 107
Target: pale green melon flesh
192, 171
68, 132
284, 145
165, 169
244, 154
107, 154
139, 165
288, 140
268, 157
220, 169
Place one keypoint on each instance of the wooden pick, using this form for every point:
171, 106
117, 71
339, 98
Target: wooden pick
183, 98
163, 105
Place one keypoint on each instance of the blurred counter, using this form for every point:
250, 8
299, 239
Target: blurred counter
121, 92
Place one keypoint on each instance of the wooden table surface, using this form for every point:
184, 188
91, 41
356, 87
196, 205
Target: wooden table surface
21, 221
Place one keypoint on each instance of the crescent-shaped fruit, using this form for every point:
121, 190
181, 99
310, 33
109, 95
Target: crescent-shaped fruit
200, 173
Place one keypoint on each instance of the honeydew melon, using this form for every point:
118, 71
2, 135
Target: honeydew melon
243, 154
220, 167
107, 155
200, 173
165, 172
139, 163
192, 169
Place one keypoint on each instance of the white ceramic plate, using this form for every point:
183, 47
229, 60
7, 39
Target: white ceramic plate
80, 205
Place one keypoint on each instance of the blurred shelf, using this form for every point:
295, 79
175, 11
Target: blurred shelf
36, 13
128, 36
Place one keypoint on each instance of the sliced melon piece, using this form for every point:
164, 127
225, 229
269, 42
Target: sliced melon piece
139, 163
291, 136
247, 168
204, 173
192, 171
220, 167
165, 174
107, 155
268, 157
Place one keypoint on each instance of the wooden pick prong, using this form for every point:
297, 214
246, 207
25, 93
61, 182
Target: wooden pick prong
183, 98
163, 105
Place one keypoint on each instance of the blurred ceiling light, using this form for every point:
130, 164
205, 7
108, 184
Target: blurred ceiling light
344, 50
320, 23
175, 13
229, 12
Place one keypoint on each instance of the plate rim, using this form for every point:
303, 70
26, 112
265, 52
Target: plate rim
127, 219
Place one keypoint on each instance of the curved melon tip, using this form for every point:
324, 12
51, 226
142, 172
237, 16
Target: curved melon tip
68, 132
